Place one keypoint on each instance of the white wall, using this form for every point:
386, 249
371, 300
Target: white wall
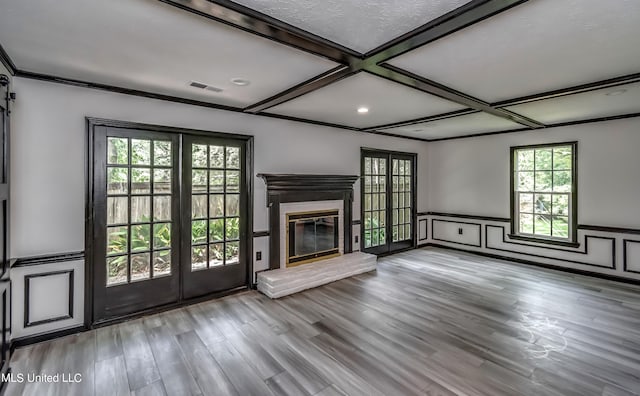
49, 148
471, 176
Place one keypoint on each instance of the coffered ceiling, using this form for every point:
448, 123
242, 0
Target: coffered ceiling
475, 123
535, 47
611, 101
356, 24
425, 70
149, 45
386, 101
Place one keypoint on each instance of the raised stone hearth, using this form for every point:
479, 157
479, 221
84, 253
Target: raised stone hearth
282, 282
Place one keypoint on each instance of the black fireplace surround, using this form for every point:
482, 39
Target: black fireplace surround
286, 188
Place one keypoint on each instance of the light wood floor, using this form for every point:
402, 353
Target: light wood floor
428, 322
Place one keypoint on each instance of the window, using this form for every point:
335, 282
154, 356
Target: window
543, 188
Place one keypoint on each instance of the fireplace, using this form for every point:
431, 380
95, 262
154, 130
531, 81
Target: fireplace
309, 220
299, 194
312, 236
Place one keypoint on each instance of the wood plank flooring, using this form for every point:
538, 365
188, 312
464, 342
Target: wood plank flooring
428, 322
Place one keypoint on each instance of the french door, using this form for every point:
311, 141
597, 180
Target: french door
387, 201
169, 215
214, 253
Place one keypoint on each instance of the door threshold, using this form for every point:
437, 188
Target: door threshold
395, 251
168, 307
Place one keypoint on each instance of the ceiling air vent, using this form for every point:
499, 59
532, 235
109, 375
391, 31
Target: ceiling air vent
196, 84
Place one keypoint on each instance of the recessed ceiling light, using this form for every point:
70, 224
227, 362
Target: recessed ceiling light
363, 110
616, 92
241, 82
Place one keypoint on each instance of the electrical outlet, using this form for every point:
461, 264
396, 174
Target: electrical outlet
356, 239
258, 256
459, 231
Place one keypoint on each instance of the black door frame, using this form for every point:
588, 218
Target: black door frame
247, 235
5, 262
381, 153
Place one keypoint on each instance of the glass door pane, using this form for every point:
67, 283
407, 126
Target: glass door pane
374, 205
215, 206
139, 218
401, 209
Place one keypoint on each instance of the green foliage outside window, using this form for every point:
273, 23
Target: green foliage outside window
374, 233
216, 234
117, 243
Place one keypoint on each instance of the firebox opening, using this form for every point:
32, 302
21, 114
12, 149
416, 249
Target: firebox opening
312, 236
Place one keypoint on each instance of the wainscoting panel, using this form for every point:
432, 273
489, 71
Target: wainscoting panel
47, 295
423, 230
41, 306
631, 255
594, 251
460, 233
603, 250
